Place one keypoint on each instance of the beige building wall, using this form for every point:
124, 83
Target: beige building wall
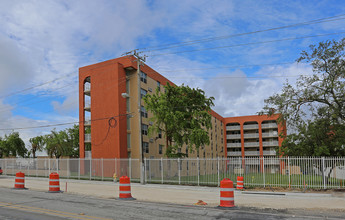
155, 142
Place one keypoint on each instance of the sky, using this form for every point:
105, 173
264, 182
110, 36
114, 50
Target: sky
233, 50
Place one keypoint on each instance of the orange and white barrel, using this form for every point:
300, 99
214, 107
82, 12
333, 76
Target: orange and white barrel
239, 182
19, 182
125, 188
227, 193
54, 182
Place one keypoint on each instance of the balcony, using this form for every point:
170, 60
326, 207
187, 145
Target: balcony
87, 106
270, 134
87, 88
251, 144
252, 135
234, 145
234, 154
233, 136
270, 143
269, 153
88, 155
233, 128
269, 125
252, 153
248, 127
87, 122
87, 138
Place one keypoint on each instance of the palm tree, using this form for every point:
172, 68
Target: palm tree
36, 144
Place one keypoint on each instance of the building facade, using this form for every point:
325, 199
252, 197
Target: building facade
111, 126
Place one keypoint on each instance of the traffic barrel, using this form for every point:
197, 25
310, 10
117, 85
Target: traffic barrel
226, 193
19, 182
125, 188
239, 182
54, 183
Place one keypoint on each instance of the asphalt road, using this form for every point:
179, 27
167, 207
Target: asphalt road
35, 205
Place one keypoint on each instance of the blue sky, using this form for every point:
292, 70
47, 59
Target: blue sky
41, 41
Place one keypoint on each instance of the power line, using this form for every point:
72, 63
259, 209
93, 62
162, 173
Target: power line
186, 43
60, 124
18, 104
247, 44
39, 85
227, 67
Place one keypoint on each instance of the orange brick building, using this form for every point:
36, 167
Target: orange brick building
109, 97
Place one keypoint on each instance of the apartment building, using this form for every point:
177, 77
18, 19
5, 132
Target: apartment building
111, 126
250, 136
110, 123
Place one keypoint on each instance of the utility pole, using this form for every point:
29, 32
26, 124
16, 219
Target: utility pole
140, 60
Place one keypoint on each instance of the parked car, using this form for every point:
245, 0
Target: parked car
0, 171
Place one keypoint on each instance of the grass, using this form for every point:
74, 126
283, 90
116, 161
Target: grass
255, 179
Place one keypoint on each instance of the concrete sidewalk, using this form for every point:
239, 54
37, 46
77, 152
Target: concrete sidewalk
189, 195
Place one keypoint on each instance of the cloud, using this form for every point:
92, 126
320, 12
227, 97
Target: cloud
15, 68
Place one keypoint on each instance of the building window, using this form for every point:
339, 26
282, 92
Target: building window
128, 141
144, 129
160, 149
158, 85
143, 77
160, 133
143, 112
143, 93
146, 147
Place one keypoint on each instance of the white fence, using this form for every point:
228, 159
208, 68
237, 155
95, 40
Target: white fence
292, 172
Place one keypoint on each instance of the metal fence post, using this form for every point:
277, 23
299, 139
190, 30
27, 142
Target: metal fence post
323, 173
289, 172
79, 170
198, 167
102, 168
149, 161
68, 169
145, 165
6, 166
263, 170
116, 169
57, 165
162, 170
28, 168
36, 165
49, 166
90, 168
218, 171
179, 171
130, 168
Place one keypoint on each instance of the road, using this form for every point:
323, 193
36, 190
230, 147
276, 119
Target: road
35, 205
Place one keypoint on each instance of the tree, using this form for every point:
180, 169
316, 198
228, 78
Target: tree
183, 115
37, 144
63, 143
314, 109
12, 145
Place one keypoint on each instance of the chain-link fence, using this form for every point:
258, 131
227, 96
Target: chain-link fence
292, 172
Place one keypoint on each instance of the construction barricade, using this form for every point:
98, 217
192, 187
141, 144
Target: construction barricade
226, 194
19, 182
54, 183
125, 188
239, 182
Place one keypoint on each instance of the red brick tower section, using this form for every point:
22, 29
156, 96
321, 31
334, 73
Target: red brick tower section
107, 83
